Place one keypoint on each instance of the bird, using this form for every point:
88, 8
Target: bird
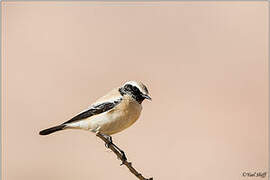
110, 114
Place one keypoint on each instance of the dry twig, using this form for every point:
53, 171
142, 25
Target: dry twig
120, 156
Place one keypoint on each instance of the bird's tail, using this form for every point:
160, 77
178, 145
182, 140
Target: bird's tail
52, 129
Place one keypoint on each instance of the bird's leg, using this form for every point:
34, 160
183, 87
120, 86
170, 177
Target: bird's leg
109, 138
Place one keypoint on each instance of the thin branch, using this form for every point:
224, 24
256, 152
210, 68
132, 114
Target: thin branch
124, 161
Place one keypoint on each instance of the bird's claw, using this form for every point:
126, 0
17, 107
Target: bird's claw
107, 145
109, 138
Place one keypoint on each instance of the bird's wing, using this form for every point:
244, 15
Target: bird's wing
94, 110
101, 105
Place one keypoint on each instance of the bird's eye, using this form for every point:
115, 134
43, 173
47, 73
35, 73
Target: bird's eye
135, 89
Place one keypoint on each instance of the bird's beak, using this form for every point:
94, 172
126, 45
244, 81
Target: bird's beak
146, 97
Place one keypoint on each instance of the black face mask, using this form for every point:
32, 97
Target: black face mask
133, 91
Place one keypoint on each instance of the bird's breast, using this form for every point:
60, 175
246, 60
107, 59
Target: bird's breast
121, 117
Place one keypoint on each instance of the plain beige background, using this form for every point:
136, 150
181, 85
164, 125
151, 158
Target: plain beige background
205, 64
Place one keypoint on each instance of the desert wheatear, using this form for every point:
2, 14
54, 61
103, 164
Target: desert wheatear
110, 114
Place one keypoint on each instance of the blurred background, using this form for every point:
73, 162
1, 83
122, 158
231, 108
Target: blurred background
204, 63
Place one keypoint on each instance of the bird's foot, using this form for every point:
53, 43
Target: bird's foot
110, 142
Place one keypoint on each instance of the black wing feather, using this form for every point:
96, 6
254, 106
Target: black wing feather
94, 110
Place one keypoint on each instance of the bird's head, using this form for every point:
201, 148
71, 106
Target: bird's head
136, 90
